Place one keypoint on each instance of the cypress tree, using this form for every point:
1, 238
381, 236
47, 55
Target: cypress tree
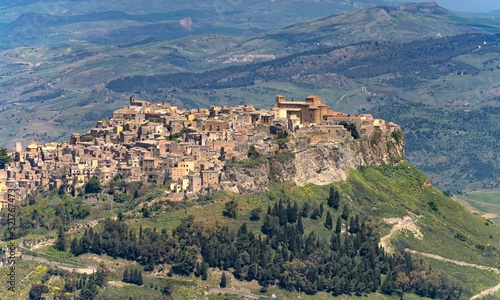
321, 210
336, 200
315, 213
305, 210
96, 245
329, 221
274, 211
295, 210
139, 277
331, 198
75, 247
197, 270
85, 242
126, 276
300, 226
282, 214
335, 242
291, 212
60, 244
133, 276
204, 271
223, 280
355, 224
345, 212
222, 156
338, 226
352, 227
387, 286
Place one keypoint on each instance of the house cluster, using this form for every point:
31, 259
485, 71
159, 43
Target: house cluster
185, 150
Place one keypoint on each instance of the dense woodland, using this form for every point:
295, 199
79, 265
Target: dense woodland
430, 135
282, 254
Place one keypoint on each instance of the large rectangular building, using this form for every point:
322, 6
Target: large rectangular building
312, 111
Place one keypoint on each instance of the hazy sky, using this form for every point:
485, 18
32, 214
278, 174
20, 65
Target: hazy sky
470, 5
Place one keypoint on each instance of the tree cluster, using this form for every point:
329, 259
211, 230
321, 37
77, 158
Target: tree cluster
132, 275
351, 128
333, 198
93, 186
83, 286
283, 254
88, 243
5, 158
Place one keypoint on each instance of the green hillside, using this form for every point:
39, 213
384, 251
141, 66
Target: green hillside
377, 195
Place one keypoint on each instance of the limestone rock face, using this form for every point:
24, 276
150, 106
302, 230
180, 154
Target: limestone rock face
315, 163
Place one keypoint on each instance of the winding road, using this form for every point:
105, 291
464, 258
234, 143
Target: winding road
53, 263
408, 223
42, 257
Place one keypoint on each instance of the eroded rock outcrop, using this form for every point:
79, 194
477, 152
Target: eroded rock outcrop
320, 163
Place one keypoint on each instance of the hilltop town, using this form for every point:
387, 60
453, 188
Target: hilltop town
186, 150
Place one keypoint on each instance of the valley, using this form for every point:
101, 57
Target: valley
485, 203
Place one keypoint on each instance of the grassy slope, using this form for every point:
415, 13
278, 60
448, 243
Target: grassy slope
379, 191
382, 191
27, 273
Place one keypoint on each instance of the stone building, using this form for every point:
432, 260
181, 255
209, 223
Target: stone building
312, 111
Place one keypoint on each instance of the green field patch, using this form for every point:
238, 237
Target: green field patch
482, 202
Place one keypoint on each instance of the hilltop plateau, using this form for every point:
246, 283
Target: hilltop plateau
439, 89
82, 74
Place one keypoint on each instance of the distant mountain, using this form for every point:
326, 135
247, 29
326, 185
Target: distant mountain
402, 23
55, 23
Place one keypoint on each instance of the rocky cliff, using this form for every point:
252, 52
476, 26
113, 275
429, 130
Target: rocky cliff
320, 164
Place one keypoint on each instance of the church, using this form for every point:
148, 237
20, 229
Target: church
312, 111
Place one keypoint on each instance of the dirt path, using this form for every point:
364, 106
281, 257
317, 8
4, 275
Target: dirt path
407, 223
456, 262
489, 292
86, 270
341, 98
235, 292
